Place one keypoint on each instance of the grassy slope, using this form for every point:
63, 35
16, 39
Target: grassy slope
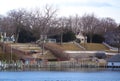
48, 55
29, 47
70, 46
88, 46
95, 46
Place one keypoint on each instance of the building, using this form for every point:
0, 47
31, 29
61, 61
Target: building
4, 38
51, 40
114, 60
81, 38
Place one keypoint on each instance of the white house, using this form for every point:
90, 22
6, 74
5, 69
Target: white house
51, 40
82, 38
4, 38
114, 60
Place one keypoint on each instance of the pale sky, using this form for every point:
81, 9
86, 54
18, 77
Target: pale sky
101, 8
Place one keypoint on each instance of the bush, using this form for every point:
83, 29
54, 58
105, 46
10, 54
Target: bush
68, 36
25, 36
96, 38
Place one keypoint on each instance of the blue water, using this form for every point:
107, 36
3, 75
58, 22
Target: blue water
60, 76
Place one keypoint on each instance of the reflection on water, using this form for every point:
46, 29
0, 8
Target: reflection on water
64, 69
59, 69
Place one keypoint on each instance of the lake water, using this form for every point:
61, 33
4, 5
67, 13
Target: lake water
93, 75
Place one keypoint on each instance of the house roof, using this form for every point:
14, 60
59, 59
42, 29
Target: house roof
115, 58
80, 35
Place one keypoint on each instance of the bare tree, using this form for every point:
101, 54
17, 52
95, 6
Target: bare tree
90, 23
107, 24
48, 18
1, 19
76, 24
117, 38
43, 20
113, 38
17, 18
62, 25
6, 25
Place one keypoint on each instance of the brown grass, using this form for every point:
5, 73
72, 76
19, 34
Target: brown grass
109, 51
48, 55
94, 46
70, 46
57, 51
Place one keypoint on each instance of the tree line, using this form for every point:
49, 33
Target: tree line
29, 25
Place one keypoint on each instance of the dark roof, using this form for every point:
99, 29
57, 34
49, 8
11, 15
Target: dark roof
115, 58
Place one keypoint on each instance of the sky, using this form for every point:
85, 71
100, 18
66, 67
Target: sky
101, 8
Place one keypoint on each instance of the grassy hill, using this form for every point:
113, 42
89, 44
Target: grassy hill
94, 47
88, 46
57, 50
70, 46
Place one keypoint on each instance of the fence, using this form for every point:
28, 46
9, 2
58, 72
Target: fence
19, 65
